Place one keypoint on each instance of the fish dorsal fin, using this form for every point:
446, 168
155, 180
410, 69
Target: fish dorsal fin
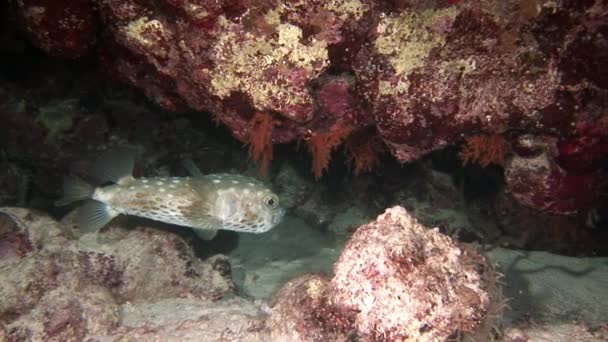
74, 189
192, 169
115, 166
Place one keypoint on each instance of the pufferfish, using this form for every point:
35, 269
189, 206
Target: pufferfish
205, 203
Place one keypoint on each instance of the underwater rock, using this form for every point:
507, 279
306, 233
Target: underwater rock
543, 176
301, 312
435, 200
434, 75
315, 210
399, 280
293, 188
427, 74
526, 228
232, 59
183, 319
59, 315
60, 28
394, 280
43, 268
421, 75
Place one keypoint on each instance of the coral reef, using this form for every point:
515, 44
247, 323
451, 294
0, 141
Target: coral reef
400, 280
322, 145
424, 75
315, 318
395, 280
146, 284
43, 269
539, 175
484, 150
260, 140
364, 150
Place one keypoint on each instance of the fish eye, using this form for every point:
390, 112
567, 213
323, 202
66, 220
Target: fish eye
271, 201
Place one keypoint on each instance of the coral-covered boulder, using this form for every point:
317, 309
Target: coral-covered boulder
301, 312
418, 75
395, 280
398, 280
425, 75
233, 59
43, 270
536, 179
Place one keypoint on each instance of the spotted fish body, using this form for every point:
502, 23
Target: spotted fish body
218, 201
205, 203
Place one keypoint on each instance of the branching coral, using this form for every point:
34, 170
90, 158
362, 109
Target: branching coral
260, 140
363, 150
321, 146
484, 150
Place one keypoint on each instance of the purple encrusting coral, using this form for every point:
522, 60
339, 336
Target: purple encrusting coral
395, 280
425, 74
146, 284
64, 289
429, 73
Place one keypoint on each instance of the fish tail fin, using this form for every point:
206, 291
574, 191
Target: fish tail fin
93, 215
75, 189
115, 166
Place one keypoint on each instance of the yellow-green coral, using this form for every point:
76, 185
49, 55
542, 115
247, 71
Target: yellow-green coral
389, 88
243, 62
345, 9
271, 69
407, 39
148, 33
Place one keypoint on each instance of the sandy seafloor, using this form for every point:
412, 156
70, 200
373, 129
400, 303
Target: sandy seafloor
550, 297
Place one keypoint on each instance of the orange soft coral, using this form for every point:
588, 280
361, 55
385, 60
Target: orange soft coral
321, 146
363, 150
260, 140
484, 150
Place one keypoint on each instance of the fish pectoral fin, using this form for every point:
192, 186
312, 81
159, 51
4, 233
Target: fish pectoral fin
115, 166
205, 234
93, 216
206, 226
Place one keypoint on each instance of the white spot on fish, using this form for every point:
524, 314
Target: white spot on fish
144, 181
131, 187
176, 181
162, 190
235, 182
250, 184
147, 186
246, 191
216, 181
172, 186
159, 183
